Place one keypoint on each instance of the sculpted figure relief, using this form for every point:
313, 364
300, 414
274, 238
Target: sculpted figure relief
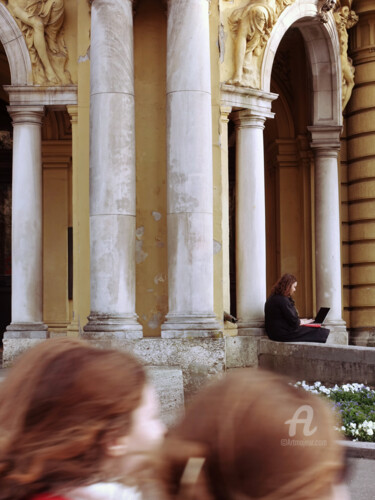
345, 19
251, 28
41, 23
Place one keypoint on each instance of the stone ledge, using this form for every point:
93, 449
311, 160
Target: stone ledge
358, 449
199, 359
241, 351
325, 362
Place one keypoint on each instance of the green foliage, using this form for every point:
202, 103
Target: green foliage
355, 404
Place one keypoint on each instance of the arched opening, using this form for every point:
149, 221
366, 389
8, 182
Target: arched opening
302, 65
289, 171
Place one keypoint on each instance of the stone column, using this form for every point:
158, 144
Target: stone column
27, 235
250, 220
326, 144
112, 173
189, 171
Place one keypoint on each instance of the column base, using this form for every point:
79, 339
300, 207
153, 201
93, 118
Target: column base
24, 330
101, 327
191, 326
251, 328
338, 333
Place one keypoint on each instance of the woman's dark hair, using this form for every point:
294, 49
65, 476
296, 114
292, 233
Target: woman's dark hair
283, 285
60, 406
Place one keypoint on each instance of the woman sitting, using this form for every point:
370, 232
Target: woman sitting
281, 317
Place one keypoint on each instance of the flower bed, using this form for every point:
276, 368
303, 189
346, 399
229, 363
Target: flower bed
355, 404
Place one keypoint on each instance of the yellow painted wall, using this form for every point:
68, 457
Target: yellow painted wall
56, 201
80, 195
360, 173
150, 32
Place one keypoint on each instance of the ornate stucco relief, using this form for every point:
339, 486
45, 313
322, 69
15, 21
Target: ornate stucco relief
251, 28
345, 19
41, 22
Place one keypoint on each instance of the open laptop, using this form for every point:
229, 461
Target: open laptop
320, 317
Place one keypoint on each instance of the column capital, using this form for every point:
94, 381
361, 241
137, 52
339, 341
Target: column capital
26, 114
255, 101
325, 139
225, 112
247, 118
73, 114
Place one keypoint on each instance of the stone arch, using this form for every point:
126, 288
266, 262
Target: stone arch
322, 47
15, 48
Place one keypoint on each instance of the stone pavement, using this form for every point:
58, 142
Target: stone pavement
362, 479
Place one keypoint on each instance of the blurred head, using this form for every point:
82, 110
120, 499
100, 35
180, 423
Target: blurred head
259, 438
285, 285
71, 414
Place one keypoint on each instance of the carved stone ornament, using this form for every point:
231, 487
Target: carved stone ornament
251, 28
41, 23
327, 6
345, 19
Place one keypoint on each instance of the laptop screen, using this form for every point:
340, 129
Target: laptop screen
322, 313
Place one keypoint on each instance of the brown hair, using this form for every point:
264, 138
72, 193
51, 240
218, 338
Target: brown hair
239, 425
59, 407
283, 285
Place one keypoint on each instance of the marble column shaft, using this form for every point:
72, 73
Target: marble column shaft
112, 172
189, 164
325, 144
250, 222
27, 228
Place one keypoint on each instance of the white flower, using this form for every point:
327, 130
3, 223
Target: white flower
370, 432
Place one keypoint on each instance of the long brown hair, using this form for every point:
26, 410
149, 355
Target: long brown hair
60, 405
239, 428
283, 285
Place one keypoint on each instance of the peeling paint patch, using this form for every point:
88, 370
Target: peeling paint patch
150, 290
159, 278
160, 244
217, 247
139, 232
155, 321
84, 58
156, 215
140, 255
